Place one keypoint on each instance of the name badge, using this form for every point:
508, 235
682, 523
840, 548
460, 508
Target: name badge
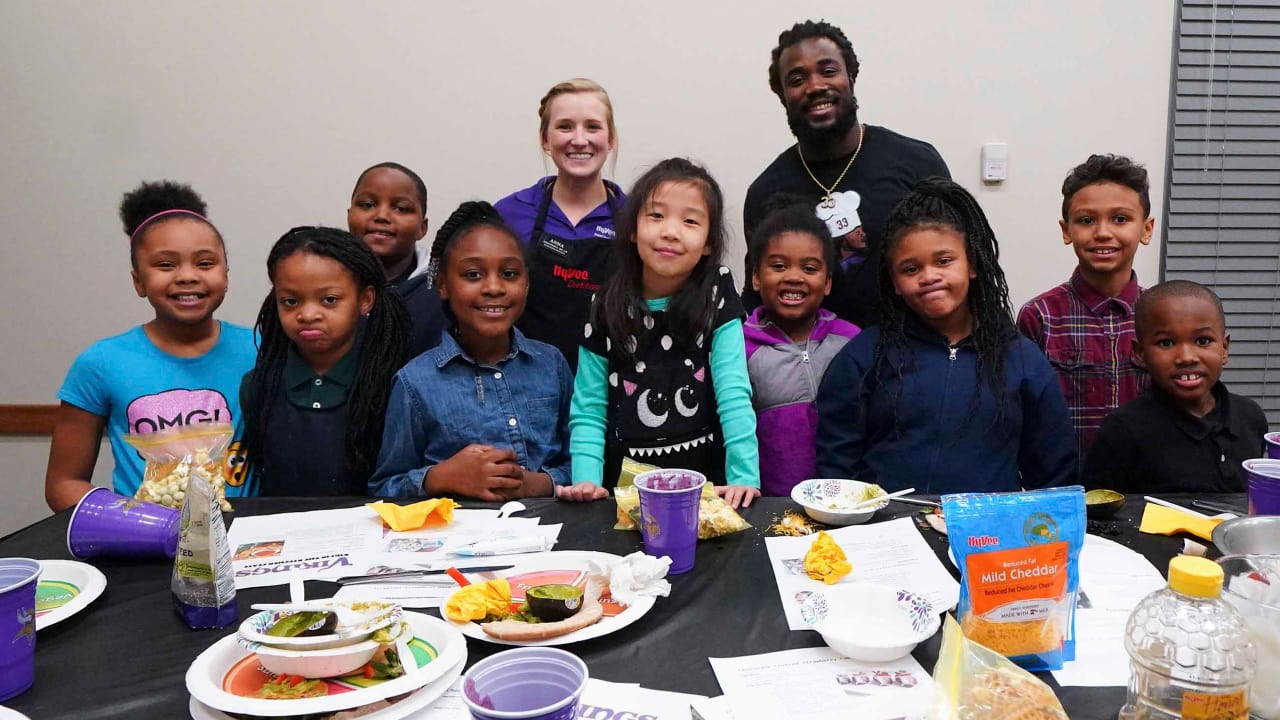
555, 245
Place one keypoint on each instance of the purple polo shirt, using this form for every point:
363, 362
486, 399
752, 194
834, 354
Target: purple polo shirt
520, 210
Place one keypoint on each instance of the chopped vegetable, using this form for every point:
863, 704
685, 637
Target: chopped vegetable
297, 623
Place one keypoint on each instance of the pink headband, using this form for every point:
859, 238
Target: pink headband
162, 213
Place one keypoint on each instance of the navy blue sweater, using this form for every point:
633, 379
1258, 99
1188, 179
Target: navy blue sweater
938, 440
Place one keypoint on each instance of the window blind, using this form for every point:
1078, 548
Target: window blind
1222, 222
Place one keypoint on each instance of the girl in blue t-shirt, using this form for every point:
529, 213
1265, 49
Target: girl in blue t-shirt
181, 367
662, 370
943, 395
485, 413
333, 335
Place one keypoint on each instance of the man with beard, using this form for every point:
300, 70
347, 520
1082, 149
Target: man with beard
852, 173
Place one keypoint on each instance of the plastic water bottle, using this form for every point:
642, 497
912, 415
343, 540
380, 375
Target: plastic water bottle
1189, 650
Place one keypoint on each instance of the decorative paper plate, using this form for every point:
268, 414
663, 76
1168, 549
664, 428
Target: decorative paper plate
65, 588
401, 709
568, 567
226, 675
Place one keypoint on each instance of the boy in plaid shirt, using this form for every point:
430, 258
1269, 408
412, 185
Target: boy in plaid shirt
1085, 325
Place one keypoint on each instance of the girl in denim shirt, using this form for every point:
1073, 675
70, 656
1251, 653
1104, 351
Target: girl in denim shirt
484, 414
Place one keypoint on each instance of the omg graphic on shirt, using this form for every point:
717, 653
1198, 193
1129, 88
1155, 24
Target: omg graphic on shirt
176, 408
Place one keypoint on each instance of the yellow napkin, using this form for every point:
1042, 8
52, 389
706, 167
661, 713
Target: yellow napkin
479, 600
826, 561
428, 513
1160, 520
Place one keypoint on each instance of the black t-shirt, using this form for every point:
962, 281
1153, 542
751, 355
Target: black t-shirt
888, 167
1153, 445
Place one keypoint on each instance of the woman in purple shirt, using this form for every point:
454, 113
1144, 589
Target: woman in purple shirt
567, 219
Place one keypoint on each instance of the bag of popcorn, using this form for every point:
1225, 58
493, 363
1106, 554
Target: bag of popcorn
176, 454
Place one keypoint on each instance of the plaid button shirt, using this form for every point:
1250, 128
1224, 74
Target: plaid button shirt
1087, 337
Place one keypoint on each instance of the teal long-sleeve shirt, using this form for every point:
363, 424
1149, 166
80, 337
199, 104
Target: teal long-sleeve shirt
728, 361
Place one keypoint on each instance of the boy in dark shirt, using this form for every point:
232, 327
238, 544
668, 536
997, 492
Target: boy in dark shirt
1187, 433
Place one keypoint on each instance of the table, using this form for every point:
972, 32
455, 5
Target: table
126, 654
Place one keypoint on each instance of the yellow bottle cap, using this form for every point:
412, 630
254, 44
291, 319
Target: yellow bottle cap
1195, 576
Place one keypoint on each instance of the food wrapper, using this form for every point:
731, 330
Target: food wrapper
436, 512
176, 454
1019, 560
972, 682
478, 601
826, 560
715, 517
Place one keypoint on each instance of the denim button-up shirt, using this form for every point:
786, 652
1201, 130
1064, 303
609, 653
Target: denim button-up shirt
443, 401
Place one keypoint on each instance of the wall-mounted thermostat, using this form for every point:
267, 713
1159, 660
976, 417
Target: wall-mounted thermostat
995, 162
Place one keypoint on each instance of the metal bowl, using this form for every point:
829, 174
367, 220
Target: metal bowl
1259, 535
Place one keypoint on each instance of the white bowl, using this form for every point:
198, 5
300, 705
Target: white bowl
828, 500
869, 622
319, 663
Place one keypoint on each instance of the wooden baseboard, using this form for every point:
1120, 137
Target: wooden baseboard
27, 419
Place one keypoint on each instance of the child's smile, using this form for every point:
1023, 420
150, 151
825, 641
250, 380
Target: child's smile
792, 278
1184, 346
181, 270
485, 284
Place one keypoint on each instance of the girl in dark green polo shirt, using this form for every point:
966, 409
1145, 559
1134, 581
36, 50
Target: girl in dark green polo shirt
332, 336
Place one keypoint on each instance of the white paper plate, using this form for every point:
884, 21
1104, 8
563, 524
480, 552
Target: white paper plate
403, 709
206, 675
71, 585
7, 714
562, 560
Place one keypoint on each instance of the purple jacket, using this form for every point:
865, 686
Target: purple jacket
784, 385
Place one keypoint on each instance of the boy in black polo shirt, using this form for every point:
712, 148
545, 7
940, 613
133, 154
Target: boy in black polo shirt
1187, 433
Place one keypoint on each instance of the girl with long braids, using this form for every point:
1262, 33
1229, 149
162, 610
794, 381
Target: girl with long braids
485, 413
332, 337
944, 395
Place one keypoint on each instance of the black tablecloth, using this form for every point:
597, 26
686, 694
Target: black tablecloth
127, 653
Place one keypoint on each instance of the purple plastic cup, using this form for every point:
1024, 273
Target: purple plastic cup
1263, 477
18, 578
669, 515
1272, 440
105, 523
528, 683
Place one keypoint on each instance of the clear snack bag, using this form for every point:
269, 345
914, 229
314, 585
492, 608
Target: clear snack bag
203, 581
715, 517
177, 454
974, 683
1019, 560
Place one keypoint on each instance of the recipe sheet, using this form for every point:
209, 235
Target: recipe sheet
892, 553
328, 544
822, 684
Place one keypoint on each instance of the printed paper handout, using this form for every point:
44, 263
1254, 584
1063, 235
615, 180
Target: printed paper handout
892, 553
820, 684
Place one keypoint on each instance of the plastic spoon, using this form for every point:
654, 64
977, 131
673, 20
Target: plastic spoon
876, 500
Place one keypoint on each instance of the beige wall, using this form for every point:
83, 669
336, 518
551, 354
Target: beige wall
270, 109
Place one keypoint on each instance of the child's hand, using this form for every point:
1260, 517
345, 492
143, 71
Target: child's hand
479, 471
581, 492
737, 495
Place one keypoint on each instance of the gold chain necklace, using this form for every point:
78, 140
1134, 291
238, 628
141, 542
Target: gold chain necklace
827, 200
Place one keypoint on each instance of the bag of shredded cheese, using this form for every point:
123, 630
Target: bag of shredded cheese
1019, 560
